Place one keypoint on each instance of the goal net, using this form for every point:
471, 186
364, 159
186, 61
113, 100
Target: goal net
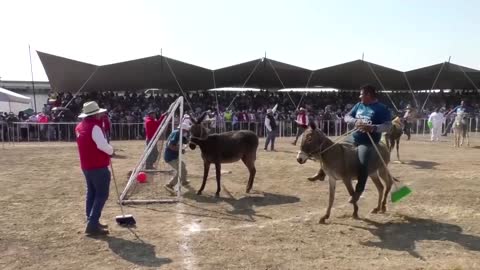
146, 184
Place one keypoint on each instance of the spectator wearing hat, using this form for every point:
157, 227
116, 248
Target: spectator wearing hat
302, 123
409, 117
171, 155
271, 126
151, 126
95, 153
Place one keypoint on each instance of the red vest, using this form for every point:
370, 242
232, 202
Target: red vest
90, 156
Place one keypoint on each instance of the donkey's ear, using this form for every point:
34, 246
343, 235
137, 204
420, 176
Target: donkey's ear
313, 126
201, 117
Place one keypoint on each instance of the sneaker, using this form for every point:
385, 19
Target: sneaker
96, 231
169, 188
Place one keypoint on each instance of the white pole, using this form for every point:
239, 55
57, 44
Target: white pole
180, 154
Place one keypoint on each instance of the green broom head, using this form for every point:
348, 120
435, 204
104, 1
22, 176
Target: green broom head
400, 193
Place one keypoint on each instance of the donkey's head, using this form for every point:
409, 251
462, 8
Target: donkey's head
198, 130
312, 142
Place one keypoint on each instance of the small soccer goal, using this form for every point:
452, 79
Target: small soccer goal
147, 184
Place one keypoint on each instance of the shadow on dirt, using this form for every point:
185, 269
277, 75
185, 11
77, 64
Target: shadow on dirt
401, 235
137, 252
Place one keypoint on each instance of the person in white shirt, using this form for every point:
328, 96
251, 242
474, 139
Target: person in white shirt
437, 119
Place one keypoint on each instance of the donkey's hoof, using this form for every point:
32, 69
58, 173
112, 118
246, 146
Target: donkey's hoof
199, 192
375, 211
248, 190
355, 216
322, 220
384, 209
217, 195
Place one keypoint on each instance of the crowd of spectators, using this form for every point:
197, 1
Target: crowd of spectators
236, 108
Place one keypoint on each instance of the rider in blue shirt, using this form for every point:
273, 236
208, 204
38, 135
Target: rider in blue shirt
373, 117
460, 108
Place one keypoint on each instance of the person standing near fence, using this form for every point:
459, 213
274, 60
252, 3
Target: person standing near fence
302, 123
106, 126
409, 117
151, 126
95, 153
437, 119
271, 126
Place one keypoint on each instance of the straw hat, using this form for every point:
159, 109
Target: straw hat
90, 108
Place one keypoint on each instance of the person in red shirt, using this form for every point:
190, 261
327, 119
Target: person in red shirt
95, 153
151, 126
106, 126
302, 123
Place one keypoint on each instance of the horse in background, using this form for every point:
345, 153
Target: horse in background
460, 130
392, 137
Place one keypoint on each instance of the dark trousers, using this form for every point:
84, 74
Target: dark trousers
270, 139
364, 156
152, 158
407, 129
300, 130
98, 188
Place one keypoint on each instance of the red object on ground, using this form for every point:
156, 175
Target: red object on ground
142, 177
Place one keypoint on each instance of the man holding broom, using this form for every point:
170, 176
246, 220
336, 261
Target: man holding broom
369, 116
95, 153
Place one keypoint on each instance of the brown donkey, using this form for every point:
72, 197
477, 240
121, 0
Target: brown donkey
226, 147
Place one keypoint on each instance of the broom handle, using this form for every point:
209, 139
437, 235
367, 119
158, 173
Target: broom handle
116, 188
381, 158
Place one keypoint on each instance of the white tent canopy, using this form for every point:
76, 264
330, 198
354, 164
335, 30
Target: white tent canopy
308, 90
235, 89
9, 96
12, 101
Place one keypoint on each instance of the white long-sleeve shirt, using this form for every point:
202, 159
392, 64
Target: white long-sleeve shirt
436, 118
100, 141
267, 124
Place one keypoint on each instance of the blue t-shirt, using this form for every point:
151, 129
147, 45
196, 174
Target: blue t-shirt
173, 139
372, 114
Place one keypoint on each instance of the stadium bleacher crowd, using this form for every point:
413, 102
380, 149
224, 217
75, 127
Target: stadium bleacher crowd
235, 109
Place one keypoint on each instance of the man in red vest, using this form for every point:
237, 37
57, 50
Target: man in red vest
151, 126
95, 153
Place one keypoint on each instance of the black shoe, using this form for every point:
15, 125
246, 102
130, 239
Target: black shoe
103, 226
96, 231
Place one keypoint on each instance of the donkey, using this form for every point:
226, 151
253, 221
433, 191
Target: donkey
340, 162
392, 137
227, 147
460, 130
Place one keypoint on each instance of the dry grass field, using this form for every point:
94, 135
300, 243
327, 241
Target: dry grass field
276, 227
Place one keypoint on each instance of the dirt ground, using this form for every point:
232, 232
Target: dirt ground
276, 227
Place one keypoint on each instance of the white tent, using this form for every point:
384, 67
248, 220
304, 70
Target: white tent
12, 97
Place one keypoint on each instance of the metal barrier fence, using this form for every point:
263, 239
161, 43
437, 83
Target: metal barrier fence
28, 131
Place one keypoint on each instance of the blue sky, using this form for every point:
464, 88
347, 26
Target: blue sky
313, 34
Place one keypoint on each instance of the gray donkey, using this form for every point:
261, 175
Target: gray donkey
226, 147
340, 162
460, 129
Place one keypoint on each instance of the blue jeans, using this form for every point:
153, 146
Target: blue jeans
98, 188
270, 139
364, 156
